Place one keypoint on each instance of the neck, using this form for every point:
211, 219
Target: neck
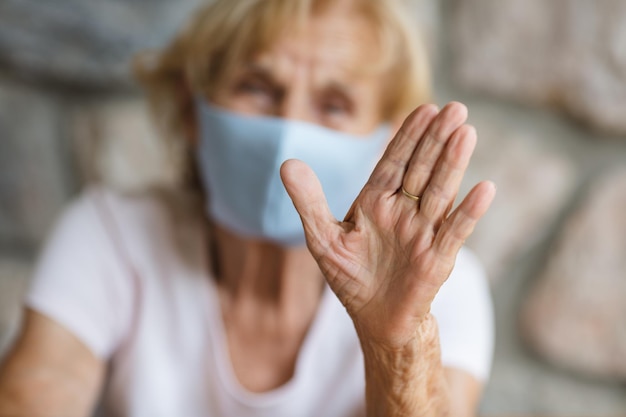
266, 274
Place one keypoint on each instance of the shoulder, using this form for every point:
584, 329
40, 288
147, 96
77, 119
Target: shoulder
104, 216
95, 204
103, 252
145, 209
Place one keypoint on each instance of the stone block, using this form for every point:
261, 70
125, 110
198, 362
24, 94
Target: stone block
14, 279
567, 53
117, 144
36, 171
534, 184
574, 315
85, 43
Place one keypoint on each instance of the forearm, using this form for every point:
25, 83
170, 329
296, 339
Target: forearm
408, 380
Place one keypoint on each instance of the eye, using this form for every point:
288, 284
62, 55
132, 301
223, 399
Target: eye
253, 87
334, 106
255, 93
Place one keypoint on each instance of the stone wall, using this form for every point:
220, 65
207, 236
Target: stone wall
70, 114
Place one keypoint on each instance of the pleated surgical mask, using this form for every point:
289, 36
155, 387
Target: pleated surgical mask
239, 158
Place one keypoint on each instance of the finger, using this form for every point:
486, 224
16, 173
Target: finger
462, 221
429, 150
446, 179
305, 190
390, 169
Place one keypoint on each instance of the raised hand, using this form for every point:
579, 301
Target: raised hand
397, 245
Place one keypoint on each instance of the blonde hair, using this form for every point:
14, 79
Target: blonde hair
225, 33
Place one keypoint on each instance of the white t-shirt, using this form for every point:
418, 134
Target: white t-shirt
128, 276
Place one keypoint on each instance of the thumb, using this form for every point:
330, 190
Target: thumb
307, 195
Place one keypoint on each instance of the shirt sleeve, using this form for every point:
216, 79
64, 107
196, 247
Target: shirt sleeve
464, 312
79, 281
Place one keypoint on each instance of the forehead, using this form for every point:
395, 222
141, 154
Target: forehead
335, 47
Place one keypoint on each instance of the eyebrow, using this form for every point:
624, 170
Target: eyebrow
260, 71
340, 89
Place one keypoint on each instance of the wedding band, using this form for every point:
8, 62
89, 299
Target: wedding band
411, 196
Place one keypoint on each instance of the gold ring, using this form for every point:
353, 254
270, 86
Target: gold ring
411, 196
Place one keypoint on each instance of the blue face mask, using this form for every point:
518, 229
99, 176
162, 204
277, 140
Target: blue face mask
239, 158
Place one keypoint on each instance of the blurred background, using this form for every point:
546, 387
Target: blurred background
545, 82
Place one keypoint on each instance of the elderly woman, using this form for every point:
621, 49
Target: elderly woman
242, 306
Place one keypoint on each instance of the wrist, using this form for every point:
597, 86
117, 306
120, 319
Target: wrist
423, 332
407, 379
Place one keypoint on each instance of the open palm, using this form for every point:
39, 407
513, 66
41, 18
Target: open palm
390, 255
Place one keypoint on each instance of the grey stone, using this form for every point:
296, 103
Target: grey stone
533, 186
85, 43
35, 164
14, 279
117, 144
568, 53
574, 315
427, 17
